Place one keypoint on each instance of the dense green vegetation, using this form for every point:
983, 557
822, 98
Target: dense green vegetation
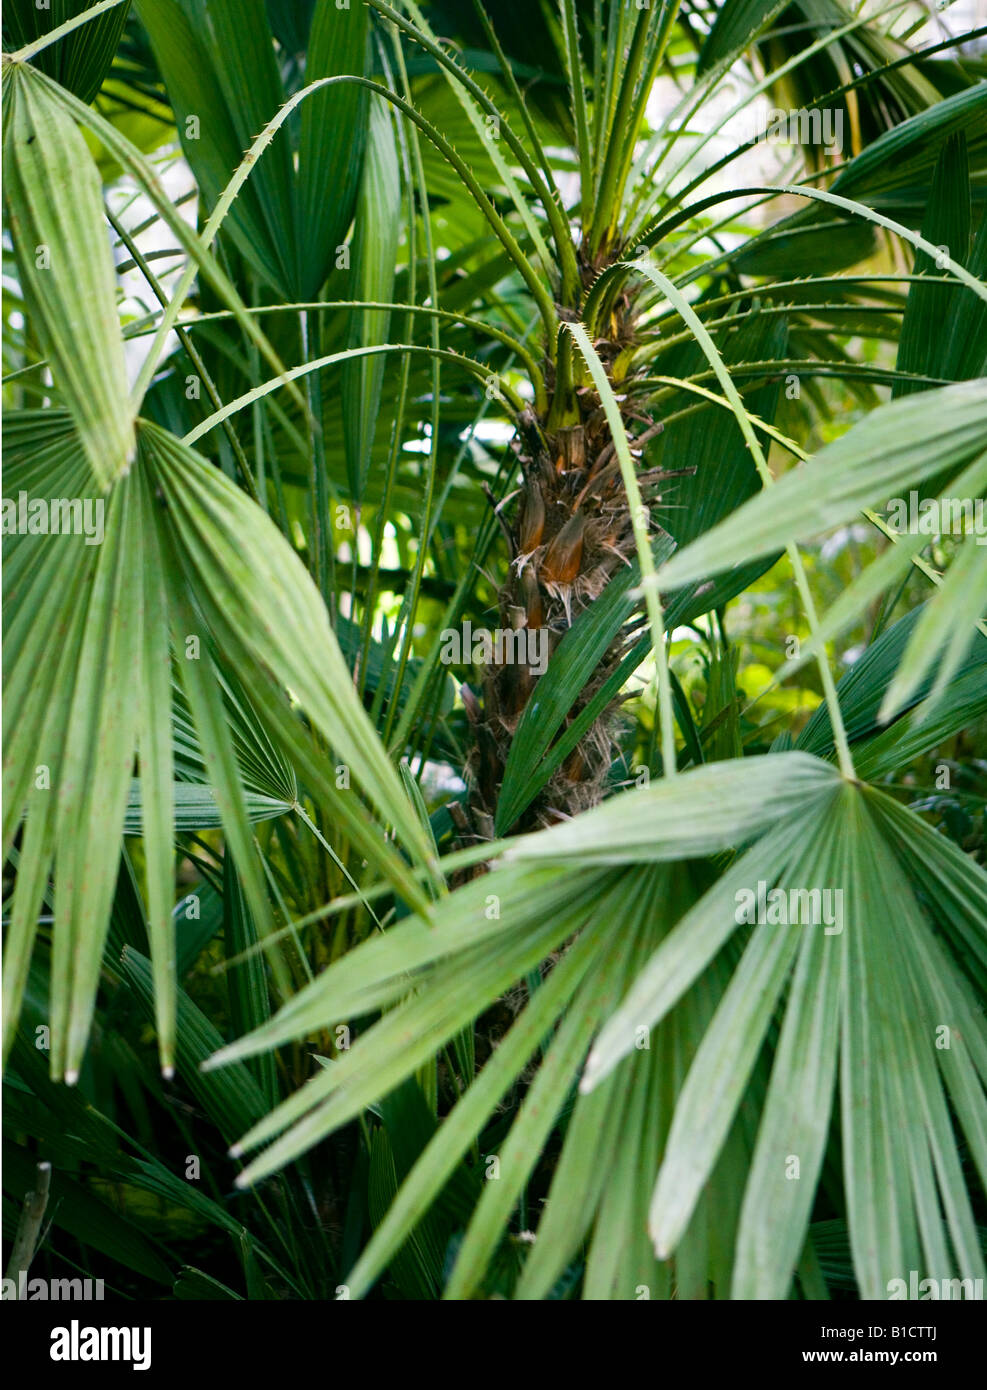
642, 954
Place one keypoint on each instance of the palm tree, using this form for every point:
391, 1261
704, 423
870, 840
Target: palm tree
630, 970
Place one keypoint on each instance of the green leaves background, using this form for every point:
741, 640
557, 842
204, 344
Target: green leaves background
238, 692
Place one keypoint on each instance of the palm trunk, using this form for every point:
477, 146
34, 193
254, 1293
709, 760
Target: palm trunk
569, 535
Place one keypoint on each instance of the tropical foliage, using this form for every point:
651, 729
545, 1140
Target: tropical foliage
336, 967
